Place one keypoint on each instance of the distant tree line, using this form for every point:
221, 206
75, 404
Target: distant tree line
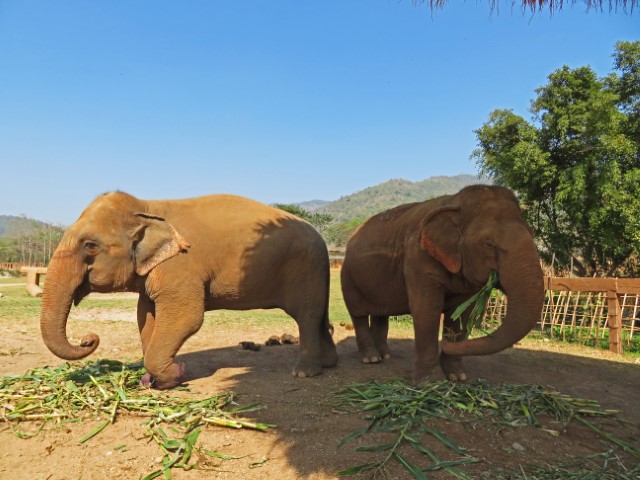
334, 233
31, 246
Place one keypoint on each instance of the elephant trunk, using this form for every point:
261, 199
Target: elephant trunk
522, 280
65, 273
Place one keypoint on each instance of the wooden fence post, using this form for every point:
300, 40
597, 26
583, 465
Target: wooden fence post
33, 279
614, 321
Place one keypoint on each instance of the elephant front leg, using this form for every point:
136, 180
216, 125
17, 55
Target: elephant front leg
146, 320
426, 325
174, 324
454, 331
146, 314
365, 340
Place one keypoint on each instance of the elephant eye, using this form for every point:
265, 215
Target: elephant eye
90, 247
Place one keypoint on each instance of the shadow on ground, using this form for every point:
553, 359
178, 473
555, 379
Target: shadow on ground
309, 428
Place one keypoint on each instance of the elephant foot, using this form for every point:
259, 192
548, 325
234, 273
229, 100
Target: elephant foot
385, 351
424, 373
370, 355
453, 368
306, 369
372, 359
147, 380
375, 355
329, 356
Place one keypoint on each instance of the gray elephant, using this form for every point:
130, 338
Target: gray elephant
425, 259
185, 257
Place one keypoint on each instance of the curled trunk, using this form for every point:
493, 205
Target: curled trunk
64, 275
522, 281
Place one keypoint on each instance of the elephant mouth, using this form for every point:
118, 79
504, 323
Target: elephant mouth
82, 291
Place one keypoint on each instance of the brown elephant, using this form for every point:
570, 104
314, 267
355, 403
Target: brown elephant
185, 257
425, 259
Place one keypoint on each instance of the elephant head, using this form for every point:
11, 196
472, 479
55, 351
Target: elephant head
112, 243
480, 230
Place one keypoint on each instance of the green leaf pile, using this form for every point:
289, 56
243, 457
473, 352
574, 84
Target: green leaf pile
406, 412
105, 389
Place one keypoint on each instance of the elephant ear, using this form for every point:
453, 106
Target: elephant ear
157, 240
440, 237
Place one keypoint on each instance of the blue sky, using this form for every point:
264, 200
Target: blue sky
280, 101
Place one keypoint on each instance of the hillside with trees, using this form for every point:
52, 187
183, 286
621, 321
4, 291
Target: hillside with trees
26, 240
11, 225
337, 220
392, 193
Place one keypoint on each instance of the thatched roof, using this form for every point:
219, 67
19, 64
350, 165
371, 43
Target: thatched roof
626, 6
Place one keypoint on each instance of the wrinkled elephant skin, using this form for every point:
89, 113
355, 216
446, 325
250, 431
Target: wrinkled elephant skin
185, 257
425, 259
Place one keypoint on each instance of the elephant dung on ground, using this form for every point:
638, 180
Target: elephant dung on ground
425, 259
185, 257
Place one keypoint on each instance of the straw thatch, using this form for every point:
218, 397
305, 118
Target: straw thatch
610, 6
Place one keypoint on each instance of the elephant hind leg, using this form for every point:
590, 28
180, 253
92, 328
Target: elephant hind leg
380, 331
328, 351
317, 349
365, 340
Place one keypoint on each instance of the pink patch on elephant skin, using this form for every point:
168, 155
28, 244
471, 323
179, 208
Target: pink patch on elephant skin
148, 381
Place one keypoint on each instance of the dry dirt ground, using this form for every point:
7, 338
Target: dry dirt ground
305, 442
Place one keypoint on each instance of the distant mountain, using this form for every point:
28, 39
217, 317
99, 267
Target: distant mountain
395, 192
11, 225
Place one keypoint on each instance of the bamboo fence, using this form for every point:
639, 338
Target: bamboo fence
587, 310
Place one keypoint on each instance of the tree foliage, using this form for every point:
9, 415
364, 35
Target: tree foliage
338, 234
320, 221
32, 245
576, 165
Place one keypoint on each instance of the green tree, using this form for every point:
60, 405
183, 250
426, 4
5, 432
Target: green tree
627, 85
338, 234
33, 245
576, 166
320, 221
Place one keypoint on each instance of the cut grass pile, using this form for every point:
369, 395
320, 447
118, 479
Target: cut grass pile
405, 412
105, 389
601, 466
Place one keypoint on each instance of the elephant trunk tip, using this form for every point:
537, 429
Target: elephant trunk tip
88, 344
481, 346
90, 340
